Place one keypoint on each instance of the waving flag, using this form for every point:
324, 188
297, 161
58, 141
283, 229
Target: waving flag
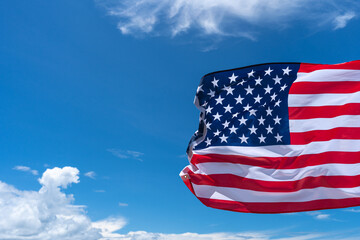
276, 138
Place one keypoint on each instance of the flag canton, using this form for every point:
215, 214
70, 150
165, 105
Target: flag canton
245, 107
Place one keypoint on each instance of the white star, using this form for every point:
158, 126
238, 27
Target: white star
204, 104
251, 74
277, 79
211, 93
242, 120
239, 99
243, 138
267, 89
257, 99
229, 90
268, 72
217, 116
258, 81
277, 120
199, 89
252, 112
208, 109
228, 108
247, 107
268, 111
249, 90
278, 103
233, 129
242, 82
219, 100
223, 138
253, 130
226, 124
217, 133
261, 120
235, 115
208, 125
233, 78
286, 71
273, 97
278, 138
283, 87
269, 129
215, 82
208, 141
262, 139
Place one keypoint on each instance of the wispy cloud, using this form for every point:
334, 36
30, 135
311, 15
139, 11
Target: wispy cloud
99, 191
126, 154
90, 174
352, 210
236, 18
319, 215
342, 20
26, 169
123, 204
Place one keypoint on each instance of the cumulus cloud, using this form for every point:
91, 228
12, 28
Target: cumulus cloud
26, 169
342, 20
126, 154
223, 18
50, 214
47, 213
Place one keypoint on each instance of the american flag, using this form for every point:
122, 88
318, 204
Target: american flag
277, 137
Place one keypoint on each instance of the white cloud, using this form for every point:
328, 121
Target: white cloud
342, 20
319, 215
142, 235
26, 169
90, 174
47, 213
123, 204
352, 210
99, 191
322, 216
223, 18
126, 154
109, 226
59, 177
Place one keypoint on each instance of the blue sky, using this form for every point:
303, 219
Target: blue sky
96, 110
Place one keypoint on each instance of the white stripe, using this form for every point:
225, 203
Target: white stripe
324, 123
328, 99
277, 175
242, 195
343, 145
329, 75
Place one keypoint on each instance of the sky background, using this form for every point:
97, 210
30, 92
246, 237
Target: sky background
96, 110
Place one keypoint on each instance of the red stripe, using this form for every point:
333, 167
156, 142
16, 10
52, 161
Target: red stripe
233, 181
310, 67
324, 135
280, 207
281, 162
324, 87
324, 112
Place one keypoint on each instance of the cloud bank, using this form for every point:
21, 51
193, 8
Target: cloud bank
44, 214
226, 17
50, 214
